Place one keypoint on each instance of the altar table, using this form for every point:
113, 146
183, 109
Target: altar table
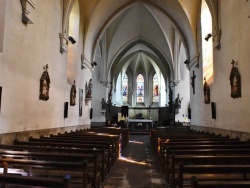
142, 124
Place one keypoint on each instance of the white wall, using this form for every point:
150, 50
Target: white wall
183, 88
99, 92
232, 114
26, 49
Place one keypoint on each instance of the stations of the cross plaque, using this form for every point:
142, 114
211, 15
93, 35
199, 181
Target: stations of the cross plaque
193, 82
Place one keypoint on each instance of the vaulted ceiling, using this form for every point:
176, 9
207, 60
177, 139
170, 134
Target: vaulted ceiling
139, 35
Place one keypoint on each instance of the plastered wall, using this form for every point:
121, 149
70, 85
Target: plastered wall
26, 50
231, 114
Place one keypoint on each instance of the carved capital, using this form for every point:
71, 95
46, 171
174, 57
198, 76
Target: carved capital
217, 36
63, 42
86, 63
194, 62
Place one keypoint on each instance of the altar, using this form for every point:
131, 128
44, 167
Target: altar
140, 124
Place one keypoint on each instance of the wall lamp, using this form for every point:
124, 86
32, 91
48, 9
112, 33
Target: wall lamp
93, 64
72, 40
209, 35
186, 62
86, 63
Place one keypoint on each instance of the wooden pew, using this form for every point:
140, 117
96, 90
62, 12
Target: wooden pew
124, 133
70, 145
219, 184
195, 147
102, 158
192, 159
168, 147
90, 136
53, 171
212, 173
205, 152
170, 142
108, 144
193, 142
10, 179
157, 138
62, 157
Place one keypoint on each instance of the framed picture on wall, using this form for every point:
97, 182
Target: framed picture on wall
80, 101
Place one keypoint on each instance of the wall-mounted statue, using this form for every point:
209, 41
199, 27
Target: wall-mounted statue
235, 82
103, 104
206, 91
177, 103
44, 84
73, 95
89, 90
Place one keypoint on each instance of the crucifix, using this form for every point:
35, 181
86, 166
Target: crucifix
46, 68
233, 62
193, 82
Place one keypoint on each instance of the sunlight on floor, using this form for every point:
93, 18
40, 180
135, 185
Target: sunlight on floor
136, 142
132, 161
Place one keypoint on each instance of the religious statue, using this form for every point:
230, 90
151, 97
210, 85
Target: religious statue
45, 88
103, 104
156, 92
124, 92
89, 89
206, 91
178, 102
140, 88
73, 95
44, 84
235, 82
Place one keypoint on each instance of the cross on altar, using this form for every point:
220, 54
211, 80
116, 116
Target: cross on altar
46, 67
233, 62
193, 82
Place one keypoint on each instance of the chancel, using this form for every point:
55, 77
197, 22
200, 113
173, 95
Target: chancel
84, 82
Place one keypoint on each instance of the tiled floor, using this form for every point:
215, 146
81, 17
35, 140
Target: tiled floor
137, 167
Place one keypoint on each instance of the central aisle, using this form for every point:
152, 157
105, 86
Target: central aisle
137, 166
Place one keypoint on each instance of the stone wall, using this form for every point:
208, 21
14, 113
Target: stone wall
224, 132
8, 138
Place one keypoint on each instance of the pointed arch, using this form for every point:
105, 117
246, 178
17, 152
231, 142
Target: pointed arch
73, 50
207, 45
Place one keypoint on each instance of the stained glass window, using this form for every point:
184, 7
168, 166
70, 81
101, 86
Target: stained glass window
140, 88
125, 89
155, 89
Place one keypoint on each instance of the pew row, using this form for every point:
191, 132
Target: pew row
218, 184
36, 171
211, 173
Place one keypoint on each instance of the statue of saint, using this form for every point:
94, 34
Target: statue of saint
89, 90
103, 103
178, 102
